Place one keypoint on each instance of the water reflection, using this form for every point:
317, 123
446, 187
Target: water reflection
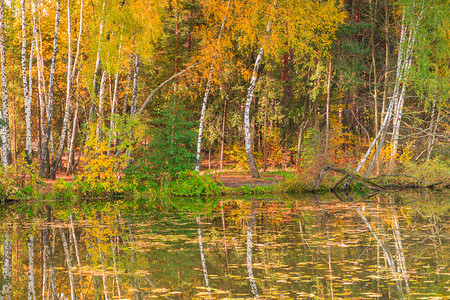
383, 246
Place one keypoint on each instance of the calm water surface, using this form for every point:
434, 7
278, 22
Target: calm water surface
384, 246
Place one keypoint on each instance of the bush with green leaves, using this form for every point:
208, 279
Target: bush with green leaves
193, 184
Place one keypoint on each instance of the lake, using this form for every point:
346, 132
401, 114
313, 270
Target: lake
388, 246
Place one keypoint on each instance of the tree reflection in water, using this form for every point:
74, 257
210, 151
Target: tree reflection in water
383, 246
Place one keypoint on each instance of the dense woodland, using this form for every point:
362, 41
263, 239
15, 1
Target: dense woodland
107, 89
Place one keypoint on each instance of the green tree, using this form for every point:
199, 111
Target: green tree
173, 141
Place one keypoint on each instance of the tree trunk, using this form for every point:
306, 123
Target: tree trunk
374, 66
202, 256
48, 130
6, 139
27, 85
97, 66
68, 262
205, 97
71, 151
327, 129
7, 269
406, 64
31, 288
101, 99
222, 137
250, 224
433, 125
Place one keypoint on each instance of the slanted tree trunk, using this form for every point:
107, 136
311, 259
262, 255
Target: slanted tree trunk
205, 97
248, 102
44, 168
6, 140
247, 129
250, 224
411, 30
396, 104
202, 255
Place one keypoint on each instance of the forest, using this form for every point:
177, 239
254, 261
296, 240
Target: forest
117, 93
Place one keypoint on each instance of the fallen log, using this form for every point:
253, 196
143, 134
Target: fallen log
367, 183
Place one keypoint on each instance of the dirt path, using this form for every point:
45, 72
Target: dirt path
236, 180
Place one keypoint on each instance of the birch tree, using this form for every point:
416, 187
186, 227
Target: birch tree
6, 140
207, 90
27, 80
409, 26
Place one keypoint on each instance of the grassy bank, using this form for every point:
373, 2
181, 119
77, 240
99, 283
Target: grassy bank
20, 183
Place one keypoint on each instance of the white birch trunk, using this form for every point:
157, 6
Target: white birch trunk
26, 95
202, 256
48, 130
72, 138
7, 269
205, 97
6, 140
31, 288
247, 129
135, 85
250, 224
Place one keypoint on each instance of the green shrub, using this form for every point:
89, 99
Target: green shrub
192, 184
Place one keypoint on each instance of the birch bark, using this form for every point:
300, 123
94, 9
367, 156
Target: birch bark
31, 289
205, 97
48, 130
250, 224
26, 84
6, 140
7, 269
